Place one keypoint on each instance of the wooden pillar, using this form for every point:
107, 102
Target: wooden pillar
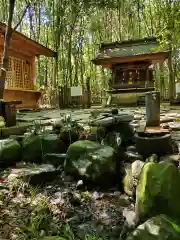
147, 78
33, 71
13, 71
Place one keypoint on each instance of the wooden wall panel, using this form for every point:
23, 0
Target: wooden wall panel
18, 74
29, 98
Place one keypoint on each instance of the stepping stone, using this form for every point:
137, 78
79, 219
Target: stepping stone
34, 174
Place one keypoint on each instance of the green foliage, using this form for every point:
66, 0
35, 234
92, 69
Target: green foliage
76, 28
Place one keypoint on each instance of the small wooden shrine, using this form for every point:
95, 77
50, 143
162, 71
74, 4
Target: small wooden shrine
131, 64
21, 73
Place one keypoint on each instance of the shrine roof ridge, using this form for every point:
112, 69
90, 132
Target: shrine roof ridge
116, 44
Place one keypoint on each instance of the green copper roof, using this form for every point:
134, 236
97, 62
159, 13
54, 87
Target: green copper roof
129, 48
128, 51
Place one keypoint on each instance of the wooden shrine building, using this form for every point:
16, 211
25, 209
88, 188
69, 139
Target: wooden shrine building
21, 73
131, 64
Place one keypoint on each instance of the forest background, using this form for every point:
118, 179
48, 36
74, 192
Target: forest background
76, 28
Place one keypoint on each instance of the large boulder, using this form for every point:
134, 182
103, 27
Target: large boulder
157, 228
10, 152
158, 191
34, 147
89, 160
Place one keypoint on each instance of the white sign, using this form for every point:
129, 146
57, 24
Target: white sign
76, 91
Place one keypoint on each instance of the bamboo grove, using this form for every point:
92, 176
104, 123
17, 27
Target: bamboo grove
75, 28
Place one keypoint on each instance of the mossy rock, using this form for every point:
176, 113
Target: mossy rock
158, 191
159, 227
100, 133
34, 174
56, 159
52, 144
89, 160
10, 152
97, 134
126, 131
152, 158
80, 147
36, 146
18, 138
69, 134
31, 149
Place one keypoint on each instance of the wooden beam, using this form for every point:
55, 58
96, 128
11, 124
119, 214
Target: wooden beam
26, 46
137, 65
147, 78
130, 90
40, 49
19, 44
20, 47
23, 50
16, 54
33, 70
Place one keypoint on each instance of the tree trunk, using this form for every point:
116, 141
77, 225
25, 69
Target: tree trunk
171, 79
88, 92
7, 42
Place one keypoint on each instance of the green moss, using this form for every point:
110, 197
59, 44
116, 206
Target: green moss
90, 160
10, 152
158, 191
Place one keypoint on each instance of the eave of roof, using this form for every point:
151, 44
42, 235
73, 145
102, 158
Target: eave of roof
41, 50
151, 57
131, 50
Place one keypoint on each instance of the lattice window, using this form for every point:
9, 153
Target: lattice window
26, 78
18, 73
9, 74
